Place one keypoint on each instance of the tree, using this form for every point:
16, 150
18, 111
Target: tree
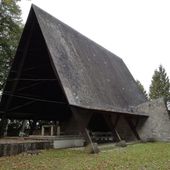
160, 85
141, 87
10, 31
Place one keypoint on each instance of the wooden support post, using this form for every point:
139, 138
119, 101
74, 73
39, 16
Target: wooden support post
83, 117
115, 124
118, 135
116, 121
112, 126
24, 123
90, 140
42, 131
3, 126
33, 126
58, 130
132, 127
6, 128
52, 130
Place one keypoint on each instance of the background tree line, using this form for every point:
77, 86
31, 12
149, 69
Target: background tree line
160, 85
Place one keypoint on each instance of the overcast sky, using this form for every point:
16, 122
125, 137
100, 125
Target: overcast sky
138, 31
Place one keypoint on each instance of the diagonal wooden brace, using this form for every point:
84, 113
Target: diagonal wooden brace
133, 128
83, 117
112, 126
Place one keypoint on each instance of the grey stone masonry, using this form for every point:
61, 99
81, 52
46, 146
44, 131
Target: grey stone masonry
157, 126
9, 149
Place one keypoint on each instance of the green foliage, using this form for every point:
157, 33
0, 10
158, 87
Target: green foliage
14, 127
10, 31
141, 87
160, 85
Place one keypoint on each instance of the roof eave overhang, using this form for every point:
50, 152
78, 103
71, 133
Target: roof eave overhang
112, 111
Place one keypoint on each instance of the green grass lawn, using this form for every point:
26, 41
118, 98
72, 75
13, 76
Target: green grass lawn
138, 156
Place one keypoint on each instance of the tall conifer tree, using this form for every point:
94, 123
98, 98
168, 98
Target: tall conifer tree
160, 85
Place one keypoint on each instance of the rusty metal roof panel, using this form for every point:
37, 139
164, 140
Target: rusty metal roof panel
91, 76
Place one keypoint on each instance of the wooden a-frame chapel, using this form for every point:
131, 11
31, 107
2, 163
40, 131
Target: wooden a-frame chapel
59, 74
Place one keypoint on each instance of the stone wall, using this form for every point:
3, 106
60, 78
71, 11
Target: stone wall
68, 142
157, 126
9, 149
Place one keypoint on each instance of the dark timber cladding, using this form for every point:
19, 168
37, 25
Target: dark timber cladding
57, 72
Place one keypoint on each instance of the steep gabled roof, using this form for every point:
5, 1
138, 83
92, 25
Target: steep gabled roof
91, 77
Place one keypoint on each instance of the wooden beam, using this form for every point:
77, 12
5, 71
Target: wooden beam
20, 106
16, 80
20, 68
32, 127
4, 116
34, 98
137, 121
116, 121
83, 118
29, 86
132, 127
108, 119
24, 123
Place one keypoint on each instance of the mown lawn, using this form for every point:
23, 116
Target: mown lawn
150, 156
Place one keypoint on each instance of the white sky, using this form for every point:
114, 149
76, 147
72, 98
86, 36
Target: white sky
138, 31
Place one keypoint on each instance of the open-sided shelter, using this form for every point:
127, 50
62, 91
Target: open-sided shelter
59, 74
